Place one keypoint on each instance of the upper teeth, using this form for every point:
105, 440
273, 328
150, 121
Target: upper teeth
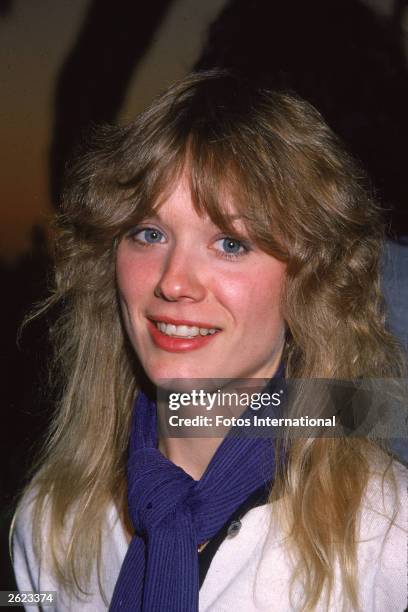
185, 331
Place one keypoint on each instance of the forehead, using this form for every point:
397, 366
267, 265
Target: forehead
181, 199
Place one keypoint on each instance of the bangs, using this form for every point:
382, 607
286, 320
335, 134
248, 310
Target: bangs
224, 185
220, 185
234, 160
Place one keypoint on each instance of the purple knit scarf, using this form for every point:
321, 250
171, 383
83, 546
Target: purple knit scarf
172, 513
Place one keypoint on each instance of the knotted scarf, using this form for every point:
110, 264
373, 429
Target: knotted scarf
172, 513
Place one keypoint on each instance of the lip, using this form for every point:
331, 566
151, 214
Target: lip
177, 345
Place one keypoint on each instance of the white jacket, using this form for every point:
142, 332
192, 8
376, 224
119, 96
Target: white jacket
251, 571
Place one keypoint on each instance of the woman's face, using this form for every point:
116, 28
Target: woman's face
196, 302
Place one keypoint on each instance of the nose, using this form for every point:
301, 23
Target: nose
181, 278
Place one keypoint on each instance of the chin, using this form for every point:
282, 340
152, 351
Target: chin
169, 374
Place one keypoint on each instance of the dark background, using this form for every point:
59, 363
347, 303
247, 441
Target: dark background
347, 57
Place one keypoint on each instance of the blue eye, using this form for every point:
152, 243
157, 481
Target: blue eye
231, 248
231, 245
147, 235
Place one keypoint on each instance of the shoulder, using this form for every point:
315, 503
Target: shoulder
255, 568
34, 570
386, 495
383, 539
383, 525
26, 563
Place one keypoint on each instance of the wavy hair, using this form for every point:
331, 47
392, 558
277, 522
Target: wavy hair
306, 202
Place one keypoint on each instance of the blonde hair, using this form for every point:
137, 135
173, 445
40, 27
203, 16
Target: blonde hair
304, 201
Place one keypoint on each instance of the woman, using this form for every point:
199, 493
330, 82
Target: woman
224, 234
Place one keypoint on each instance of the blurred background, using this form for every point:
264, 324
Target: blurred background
67, 64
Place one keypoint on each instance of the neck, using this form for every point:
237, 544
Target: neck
194, 454
191, 454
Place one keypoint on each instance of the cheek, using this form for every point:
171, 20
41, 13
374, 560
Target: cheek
133, 279
135, 283
254, 296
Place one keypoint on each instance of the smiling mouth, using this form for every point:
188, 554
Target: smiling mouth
177, 336
184, 331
